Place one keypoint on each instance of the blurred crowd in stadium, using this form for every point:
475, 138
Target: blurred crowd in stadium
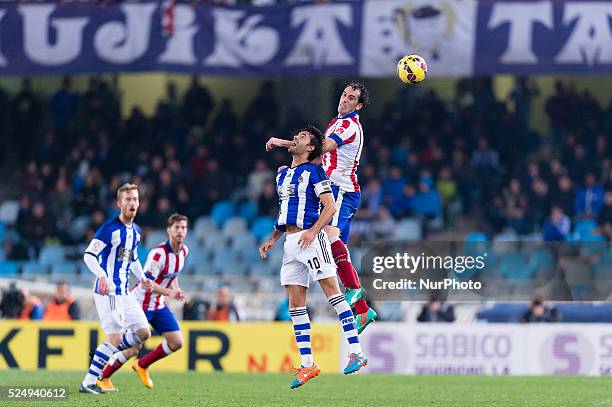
427, 164
424, 158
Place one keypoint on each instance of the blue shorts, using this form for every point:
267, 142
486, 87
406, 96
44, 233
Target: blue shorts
348, 203
162, 320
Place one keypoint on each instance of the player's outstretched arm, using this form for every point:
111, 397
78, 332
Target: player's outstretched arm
274, 142
329, 209
268, 244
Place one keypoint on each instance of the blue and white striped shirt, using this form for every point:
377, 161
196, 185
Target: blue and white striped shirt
298, 195
115, 246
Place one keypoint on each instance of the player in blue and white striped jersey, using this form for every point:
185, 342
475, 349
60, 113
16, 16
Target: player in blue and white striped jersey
302, 189
111, 256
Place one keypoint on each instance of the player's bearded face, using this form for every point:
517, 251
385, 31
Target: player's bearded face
349, 101
301, 141
178, 231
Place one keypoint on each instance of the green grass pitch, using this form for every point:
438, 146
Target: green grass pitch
235, 389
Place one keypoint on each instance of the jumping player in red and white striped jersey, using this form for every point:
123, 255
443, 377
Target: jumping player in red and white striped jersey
342, 152
163, 266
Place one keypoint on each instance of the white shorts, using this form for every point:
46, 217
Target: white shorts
300, 264
120, 312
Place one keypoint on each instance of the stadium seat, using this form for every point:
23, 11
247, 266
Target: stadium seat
204, 226
541, 258
65, 267
390, 310
251, 256
2, 231
83, 280
356, 255
234, 227
593, 244
606, 258
241, 286
262, 227
9, 268
602, 277
112, 212
50, 255
142, 252
222, 211
270, 285
83, 269
214, 243
476, 237
532, 237
228, 266
9, 210
155, 237
475, 247
210, 285
78, 228
506, 236
275, 256
514, 267
193, 242
247, 211
408, 229
262, 268
243, 242
34, 268
196, 260
583, 229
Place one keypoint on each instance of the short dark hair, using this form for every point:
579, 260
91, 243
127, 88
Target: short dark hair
364, 94
176, 217
316, 140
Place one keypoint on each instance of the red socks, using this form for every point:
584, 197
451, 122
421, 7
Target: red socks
347, 273
159, 352
361, 307
110, 369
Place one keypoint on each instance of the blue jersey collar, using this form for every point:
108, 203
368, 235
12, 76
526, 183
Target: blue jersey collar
350, 115
169, 247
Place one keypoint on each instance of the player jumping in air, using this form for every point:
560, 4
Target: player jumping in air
342, 148
302, 189
111, 256
163, 266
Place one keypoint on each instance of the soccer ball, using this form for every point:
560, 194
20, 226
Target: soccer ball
412, 69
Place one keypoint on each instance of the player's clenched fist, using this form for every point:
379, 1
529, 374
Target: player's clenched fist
147, 284
274, 142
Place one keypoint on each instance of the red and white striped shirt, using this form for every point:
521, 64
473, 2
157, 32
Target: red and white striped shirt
341, 163
163, 266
